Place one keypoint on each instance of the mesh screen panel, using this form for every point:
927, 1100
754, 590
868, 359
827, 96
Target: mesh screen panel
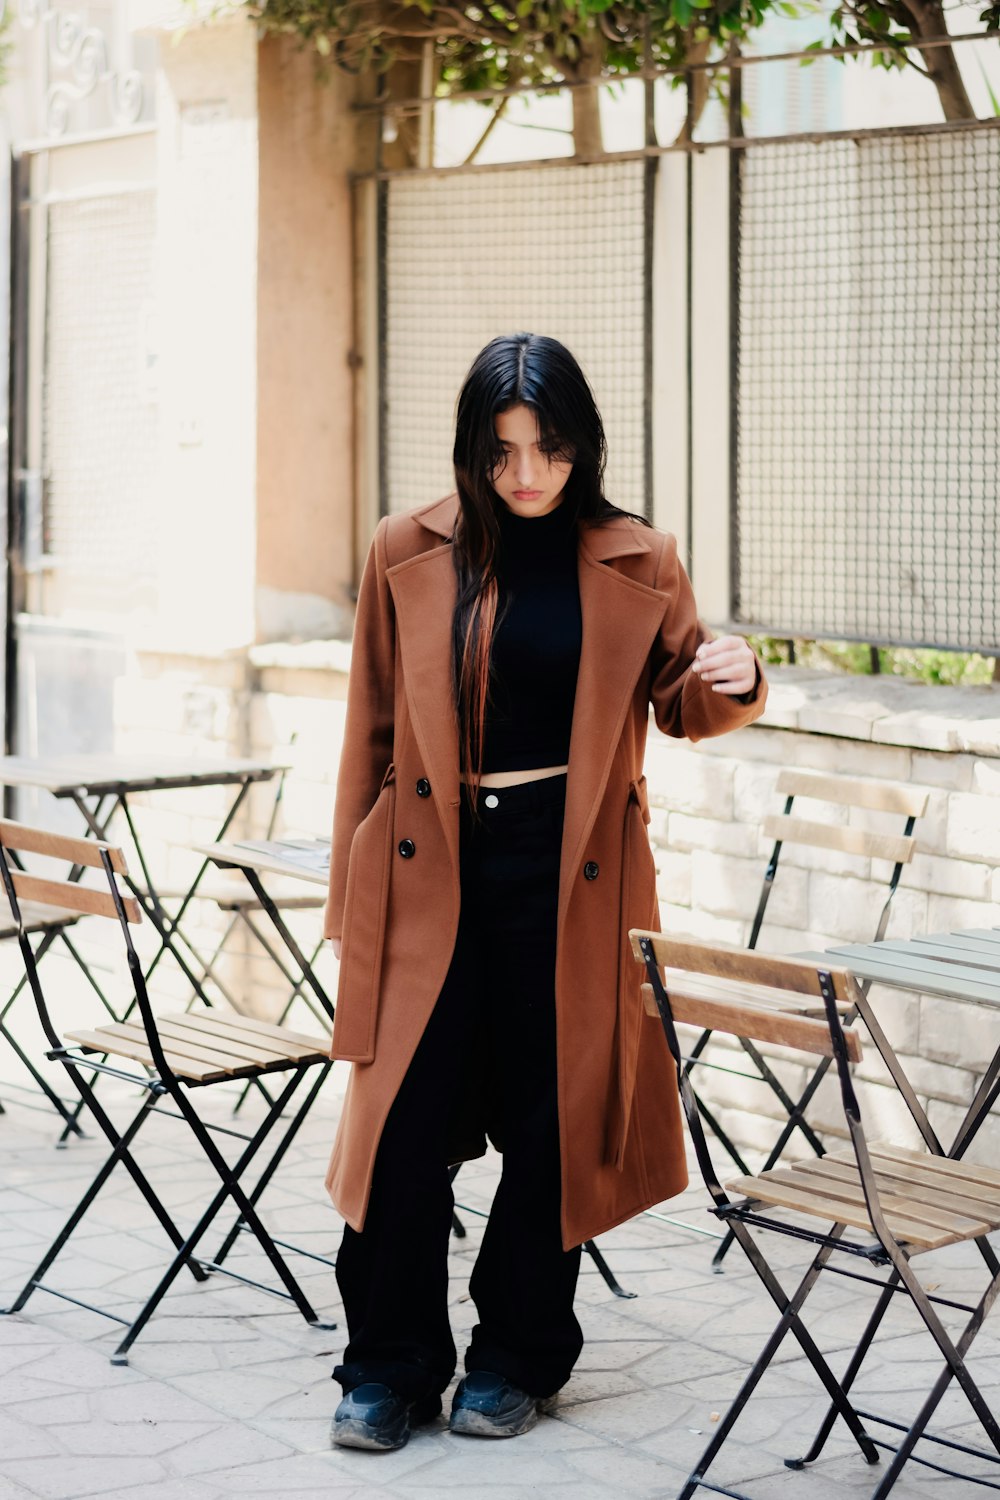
868, 403
100, 423
552, 250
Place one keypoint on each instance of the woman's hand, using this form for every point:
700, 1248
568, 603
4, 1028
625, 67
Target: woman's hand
727, 664
335, 945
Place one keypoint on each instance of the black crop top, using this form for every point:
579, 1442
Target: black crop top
536, 647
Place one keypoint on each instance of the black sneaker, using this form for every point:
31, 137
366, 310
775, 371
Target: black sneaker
487, 1405
373, 1416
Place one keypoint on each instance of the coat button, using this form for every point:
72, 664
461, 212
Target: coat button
423, 787
591, 869
407, 848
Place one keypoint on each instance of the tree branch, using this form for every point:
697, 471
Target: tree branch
493, 120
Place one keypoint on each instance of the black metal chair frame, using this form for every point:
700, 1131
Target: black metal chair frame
161, 1083
885, 1251
71, 1125
50, 933
795, 1109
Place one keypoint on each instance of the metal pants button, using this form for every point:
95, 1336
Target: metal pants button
492, 800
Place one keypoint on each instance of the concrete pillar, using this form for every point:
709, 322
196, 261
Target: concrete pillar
306, 335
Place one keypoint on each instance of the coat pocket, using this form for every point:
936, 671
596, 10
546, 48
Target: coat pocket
365, 906
638, 905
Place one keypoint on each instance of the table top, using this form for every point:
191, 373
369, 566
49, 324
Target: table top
306, 859
963, 965
62, 775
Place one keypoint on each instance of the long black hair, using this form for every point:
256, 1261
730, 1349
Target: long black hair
517, 369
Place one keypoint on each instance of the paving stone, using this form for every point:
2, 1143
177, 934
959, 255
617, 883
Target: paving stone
114, 1439
315, 1472
636, 1415
224, 1447
470, 1462
51, 1411
629, 1473
305, 1434
346, 1491
151, 1401
19, 1439
58, 1479
164, 1489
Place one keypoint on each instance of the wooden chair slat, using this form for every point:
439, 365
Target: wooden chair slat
806, 1033
908, 1187
911, 1232
918, 1177
286, 1033
180, 1045
230, 1052
791, 830
278, 1045
138, 1051
28, 840
933, 1212
850, 791
746, 965
709, 988
81, 898
956, 1171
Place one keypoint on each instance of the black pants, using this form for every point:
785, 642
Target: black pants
494, 1025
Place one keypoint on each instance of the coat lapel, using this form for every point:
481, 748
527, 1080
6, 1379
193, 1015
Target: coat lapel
620, 620
424, 590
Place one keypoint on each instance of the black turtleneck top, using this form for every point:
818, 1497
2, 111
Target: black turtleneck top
536, 647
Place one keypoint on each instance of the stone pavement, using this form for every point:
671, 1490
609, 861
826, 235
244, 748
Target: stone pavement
228, 1392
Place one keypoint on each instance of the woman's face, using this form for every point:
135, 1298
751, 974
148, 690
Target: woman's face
529, 481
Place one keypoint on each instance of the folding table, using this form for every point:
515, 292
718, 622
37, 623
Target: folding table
962, 965
100, 788
305, 859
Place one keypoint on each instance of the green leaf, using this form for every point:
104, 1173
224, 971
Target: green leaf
682, 12
994, 101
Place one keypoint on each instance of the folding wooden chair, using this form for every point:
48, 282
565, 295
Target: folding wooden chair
788, 828
177, 1055
904, 1203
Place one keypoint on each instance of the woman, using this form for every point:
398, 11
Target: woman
489, 857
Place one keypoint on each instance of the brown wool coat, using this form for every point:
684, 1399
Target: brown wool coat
621, 1141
